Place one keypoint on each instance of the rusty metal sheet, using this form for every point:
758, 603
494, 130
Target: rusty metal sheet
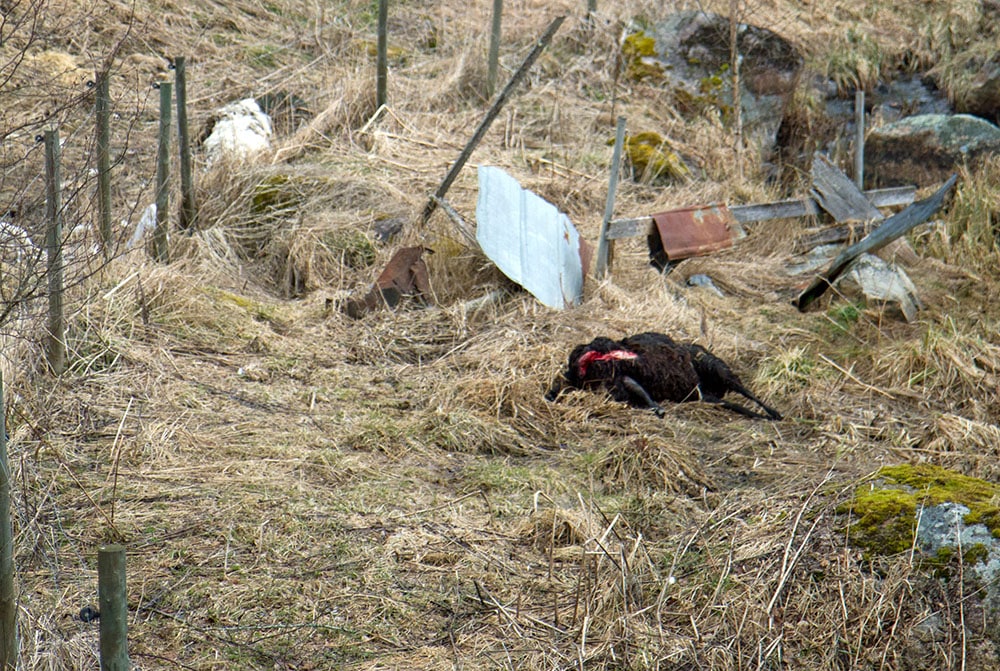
694, 231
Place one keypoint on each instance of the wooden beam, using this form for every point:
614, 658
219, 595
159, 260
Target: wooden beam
754, 212
837, 194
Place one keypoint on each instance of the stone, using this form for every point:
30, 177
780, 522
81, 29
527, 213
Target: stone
693, 49
927, 148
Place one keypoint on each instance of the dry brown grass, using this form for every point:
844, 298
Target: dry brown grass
299, 490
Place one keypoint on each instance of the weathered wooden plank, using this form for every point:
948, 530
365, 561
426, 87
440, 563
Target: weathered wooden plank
634, 227
892, 228
629, 228
837, 194
782, 209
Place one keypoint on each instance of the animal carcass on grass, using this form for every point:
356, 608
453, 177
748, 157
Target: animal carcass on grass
646, 369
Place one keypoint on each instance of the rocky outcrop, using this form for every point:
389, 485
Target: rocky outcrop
693, 49
927, 148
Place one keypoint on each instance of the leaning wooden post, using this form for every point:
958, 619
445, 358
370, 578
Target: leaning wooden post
493, 61
102, 109
188, 211
8, 600
859, 138
605, 253
160, 251
113, 606
55, 350
382, 55
491, 114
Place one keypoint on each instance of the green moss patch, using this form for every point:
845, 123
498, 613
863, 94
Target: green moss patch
653, 159
886, 509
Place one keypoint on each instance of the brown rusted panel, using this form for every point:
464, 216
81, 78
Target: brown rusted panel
695, 231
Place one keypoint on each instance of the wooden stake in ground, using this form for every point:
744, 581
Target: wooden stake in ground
160, 251
188, 211
491, 114
493, 61
102, 108
381, 55
8, 600
859, 138
55, 349
113, 607
604, 248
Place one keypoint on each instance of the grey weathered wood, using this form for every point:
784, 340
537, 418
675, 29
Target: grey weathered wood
160, 250
459, 222
491, 114
605, 249
835, 193
8, 598
859, 138
889, 230
188, 211
102, 110
493, 60
382, 55
55, 350
113, 605
754, 212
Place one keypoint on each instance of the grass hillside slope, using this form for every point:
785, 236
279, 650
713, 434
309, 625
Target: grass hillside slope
299, 490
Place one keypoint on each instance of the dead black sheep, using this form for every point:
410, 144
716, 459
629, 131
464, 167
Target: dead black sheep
646, 369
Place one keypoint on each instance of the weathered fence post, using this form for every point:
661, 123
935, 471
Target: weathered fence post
859, 138
102, 109
160, 251
605, 254
55, 349
382, 55
113, 607
188, 211
8, 600
493, 61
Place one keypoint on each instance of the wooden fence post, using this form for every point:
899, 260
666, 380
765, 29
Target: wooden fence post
55, 349
113, 607
493, 61
859, 138
188, 211
102, 109
8, 599
160, 250
382, 55
605, 255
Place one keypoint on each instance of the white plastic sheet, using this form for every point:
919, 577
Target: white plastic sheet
529, 239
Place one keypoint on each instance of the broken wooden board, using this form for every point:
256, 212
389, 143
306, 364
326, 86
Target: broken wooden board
837, 194
892, 228
753, 212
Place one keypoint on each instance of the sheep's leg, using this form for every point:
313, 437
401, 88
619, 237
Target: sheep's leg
553, 393
735, 407
638, 391
771, 412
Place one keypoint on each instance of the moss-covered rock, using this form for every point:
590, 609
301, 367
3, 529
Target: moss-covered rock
653, 159
888, 506
639, 56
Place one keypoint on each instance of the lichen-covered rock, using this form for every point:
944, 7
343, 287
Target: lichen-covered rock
901, 507
693, 49
927, 148
942, 516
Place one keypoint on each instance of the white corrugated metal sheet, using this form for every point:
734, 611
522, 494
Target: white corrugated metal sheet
529, 239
